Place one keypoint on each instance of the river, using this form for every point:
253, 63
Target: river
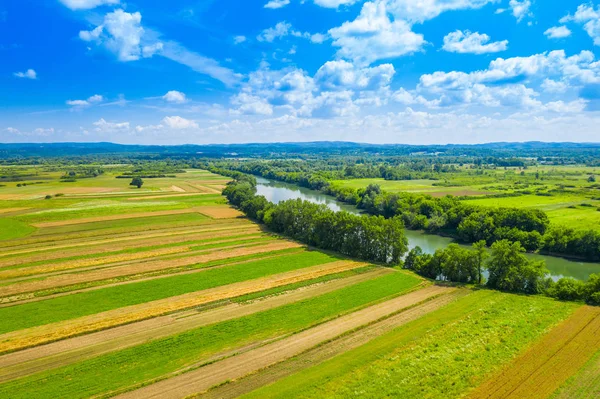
278, 191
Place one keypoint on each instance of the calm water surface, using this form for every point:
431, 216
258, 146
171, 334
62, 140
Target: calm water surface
278, 191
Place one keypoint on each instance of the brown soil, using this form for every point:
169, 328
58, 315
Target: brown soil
220, 212
542, 369
35, 336
78, 277
9, 210
20, 364
235, 367
114, 217
177, 189
327, 351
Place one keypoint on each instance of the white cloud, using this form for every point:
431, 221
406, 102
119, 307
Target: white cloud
318, 38
280, 30
589, 18
553, 86
44, 131
175, 96
558, 32
12, 130
252, 105
274, 4
373, 36
239, 39
29, 74
520, 9
103, 126
416, 11
473, 43
177, 122
342, 75
95, 99
122, 34
334, 3
87, 4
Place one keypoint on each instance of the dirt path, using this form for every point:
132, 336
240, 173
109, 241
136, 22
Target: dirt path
329, 350
238, 366
114, 217
20, 364
78, 277
35, 336
543, 368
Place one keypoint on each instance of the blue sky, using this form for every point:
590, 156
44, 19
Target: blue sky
380, 71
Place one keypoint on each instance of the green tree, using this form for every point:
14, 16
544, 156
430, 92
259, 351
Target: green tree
511, 271
482, 255
137, 181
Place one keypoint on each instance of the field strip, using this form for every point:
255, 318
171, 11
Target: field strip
126, 238
585, 384
219, 212
20, 364
78, 277
78, 252
9, 210
99, 234
550, 362
32, 297
245, 363
321, 353
34, 336
45, 270
166, 195
114, 217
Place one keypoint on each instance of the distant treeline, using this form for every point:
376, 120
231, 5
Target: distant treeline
448, 215
371, 238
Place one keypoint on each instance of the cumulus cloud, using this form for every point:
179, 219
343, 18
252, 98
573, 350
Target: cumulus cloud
28, 74
281, 29
421, 11
520, 9
373, 36
274, 4
343, 75
175, 96
95, 99
473, 43
553, 86
106, 127
123, 34
177, 122
87, 4
589, 17
558, 32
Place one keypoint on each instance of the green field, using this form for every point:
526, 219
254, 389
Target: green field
441, 355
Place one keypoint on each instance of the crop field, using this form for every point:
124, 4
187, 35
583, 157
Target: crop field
167, 292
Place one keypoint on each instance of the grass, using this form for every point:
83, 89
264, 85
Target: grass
150, 361
11, 229
441, 355
58, 309
585, 384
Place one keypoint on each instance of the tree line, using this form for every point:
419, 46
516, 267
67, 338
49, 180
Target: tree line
507, 267
370, 238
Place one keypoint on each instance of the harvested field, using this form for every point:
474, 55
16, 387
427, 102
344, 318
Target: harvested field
220, 212
10, 210
139, 268
34, 336
236, 388
114, 217
177, 189
122, 243
548, 363
238, 366
147, 197
65, 352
